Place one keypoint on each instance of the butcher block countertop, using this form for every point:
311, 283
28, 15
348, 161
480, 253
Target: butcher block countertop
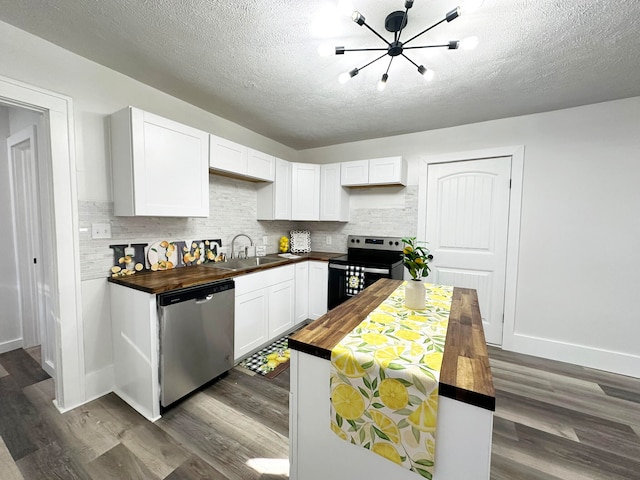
193, 276
465, 374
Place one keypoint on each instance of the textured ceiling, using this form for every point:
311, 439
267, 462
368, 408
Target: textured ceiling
255, 62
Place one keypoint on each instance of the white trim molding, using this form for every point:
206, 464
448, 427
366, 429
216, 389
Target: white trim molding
591, 357
59, 127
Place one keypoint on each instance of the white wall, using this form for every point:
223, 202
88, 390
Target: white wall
577, 290
97, 92
10, 326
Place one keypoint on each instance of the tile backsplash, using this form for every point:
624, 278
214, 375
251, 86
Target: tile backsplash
233, 205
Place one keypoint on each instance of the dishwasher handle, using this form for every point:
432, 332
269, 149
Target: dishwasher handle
200, 301
201, 293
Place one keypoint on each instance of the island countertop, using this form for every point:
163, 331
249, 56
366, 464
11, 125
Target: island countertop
465, 374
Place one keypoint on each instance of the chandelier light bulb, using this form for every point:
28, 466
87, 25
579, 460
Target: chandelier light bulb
344, 77
382, 83
326, 50
426, 73
469, 43
471, 6
345, 7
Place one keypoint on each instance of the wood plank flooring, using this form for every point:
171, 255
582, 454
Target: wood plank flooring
553, 421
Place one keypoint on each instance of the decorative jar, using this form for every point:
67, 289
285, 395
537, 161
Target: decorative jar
415, 294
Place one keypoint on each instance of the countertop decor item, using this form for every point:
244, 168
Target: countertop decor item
300, 241
415, 259
395, 23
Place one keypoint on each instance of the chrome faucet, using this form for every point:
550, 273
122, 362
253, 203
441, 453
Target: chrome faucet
234, 241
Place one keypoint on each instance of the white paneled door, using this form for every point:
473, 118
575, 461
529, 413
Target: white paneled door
467, 214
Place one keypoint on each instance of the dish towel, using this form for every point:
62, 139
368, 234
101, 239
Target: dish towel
355, 280
384, 380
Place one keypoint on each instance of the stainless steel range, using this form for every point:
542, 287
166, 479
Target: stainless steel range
368, 259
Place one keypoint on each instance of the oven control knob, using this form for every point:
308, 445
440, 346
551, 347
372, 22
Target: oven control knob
358, 240
352, 240
396, 244
390, 242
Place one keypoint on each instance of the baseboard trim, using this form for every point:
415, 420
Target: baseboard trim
597, 358
10, 345
98, 383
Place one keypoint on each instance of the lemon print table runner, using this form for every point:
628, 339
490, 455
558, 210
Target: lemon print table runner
384, 379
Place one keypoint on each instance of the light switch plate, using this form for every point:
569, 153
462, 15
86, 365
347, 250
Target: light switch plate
100, 230
328, 239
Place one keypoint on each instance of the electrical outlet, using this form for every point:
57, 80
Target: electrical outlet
328, 239
100, 230
265, 240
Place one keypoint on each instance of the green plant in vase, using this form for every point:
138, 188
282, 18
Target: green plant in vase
416, 258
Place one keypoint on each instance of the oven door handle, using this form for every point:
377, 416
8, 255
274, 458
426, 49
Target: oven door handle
382, 271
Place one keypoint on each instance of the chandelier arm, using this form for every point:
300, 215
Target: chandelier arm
404, 19
366, 50
376, 33
389, 66
425, 31
426, 46
372, 61
414, 63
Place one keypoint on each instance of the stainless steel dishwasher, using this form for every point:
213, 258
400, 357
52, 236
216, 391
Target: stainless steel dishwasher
196, 337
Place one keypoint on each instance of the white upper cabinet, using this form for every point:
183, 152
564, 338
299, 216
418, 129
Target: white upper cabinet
274, 199
388, 171
160, 167
355, 173
260, 165
228, 157
376, 171
305, 191
334, 199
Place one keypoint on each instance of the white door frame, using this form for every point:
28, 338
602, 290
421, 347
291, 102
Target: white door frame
30, 301
66, 294
516, 153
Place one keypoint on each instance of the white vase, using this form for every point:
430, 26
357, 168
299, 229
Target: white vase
415, 294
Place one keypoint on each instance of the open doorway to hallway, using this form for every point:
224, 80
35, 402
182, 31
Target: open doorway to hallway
25, 213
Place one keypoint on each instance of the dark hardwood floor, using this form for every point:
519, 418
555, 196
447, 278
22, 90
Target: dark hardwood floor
553, 421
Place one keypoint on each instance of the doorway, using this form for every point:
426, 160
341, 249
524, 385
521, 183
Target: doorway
469, 215
64, 290
33, 274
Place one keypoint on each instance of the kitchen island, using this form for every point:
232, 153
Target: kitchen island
466, 396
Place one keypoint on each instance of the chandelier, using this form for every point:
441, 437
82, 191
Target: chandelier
395, 23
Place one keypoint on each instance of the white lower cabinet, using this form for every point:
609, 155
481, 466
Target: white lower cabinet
281, 300
302, 292
264, 308
251, 321
318, 288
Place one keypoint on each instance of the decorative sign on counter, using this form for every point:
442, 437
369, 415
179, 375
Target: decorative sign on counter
163, 255
384, 379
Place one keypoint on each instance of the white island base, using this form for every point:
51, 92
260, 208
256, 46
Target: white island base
463, 441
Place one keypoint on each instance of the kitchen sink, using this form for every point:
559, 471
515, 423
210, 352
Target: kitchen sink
245, 263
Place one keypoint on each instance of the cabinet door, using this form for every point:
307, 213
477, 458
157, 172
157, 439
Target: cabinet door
274, 199
305, 188
318, 288
260, 165
281, 307
282, 193
389, 170
354, 173
251, 321
228, 156
169, 165
302, 292
334, 200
